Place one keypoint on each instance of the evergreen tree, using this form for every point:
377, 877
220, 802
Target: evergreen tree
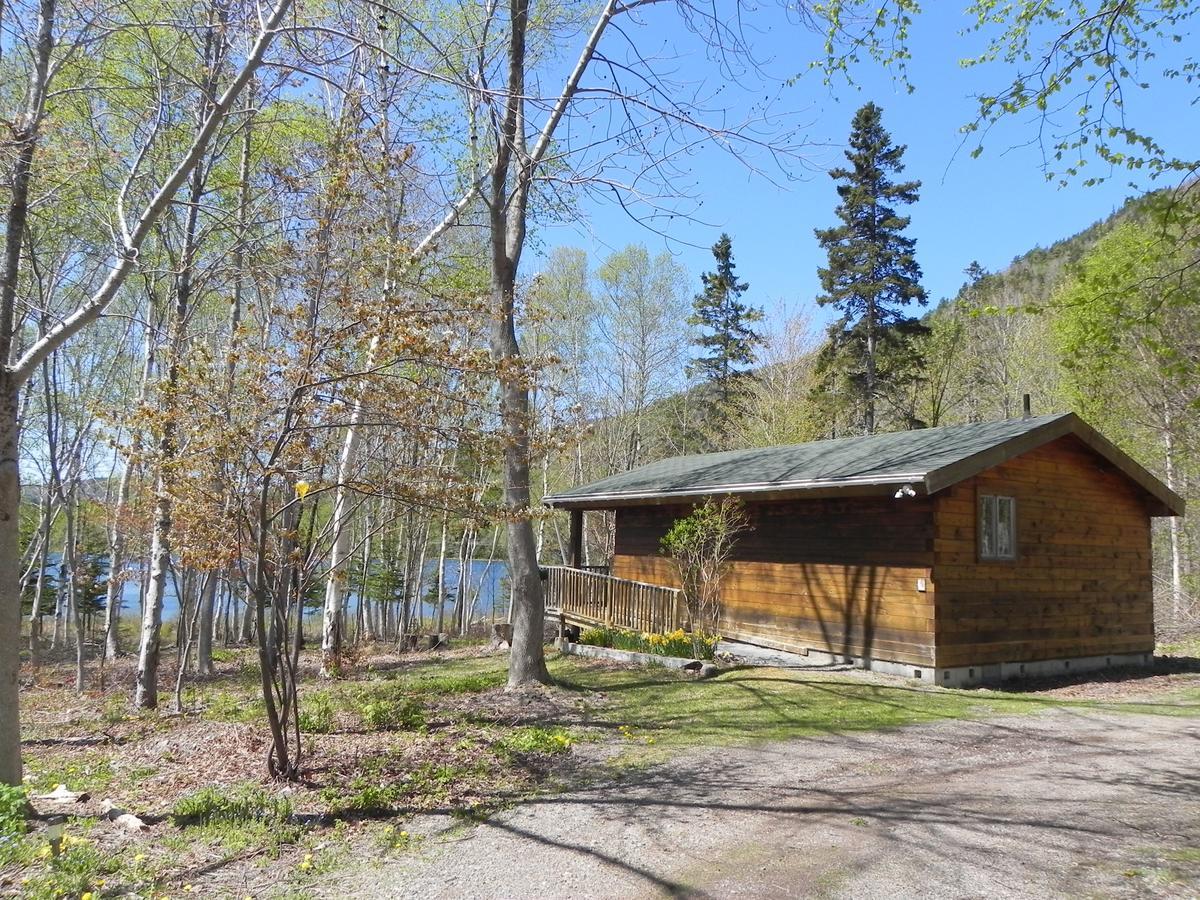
872, 275
727, 341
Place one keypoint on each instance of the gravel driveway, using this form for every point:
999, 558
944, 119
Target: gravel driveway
1063, 803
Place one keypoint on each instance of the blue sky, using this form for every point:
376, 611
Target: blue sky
990, 209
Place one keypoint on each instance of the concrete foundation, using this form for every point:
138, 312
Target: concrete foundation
627, 656
991, 673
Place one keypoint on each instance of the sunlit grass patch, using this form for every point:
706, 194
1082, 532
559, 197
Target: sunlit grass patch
667, 711
70, 865
228, 706
536, 739
238, 818
452, 677
86, 770
1187, 647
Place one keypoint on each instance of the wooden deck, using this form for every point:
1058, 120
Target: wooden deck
584, 597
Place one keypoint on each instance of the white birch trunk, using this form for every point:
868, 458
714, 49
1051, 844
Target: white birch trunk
365, 628
116, 565
146, 689
466, 546
441, 578
59, 603
1175, 525
246, 631
116, 538
71, 563
335, 586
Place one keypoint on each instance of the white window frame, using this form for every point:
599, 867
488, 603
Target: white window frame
991, 536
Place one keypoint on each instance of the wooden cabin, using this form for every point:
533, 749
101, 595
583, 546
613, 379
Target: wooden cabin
961, 554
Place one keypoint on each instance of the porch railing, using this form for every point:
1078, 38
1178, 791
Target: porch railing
591, 598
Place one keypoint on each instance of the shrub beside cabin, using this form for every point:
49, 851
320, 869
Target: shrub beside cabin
960, 554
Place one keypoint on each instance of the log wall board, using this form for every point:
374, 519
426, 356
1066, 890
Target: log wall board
837, 575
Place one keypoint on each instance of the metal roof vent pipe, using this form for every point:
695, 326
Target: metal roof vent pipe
1025, 407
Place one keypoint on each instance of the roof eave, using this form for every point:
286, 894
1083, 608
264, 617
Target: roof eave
766, 490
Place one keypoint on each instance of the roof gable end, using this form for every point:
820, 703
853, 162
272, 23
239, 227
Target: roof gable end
1163, 501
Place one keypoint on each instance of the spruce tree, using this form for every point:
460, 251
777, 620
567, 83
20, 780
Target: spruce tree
872, 275
727, 341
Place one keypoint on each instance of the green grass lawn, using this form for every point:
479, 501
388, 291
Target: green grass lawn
664, 711
1189, 647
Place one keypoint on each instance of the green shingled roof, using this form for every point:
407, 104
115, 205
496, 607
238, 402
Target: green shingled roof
929, 459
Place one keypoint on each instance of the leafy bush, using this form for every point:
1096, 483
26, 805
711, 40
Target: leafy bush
701, 545
677, 643
116, 710
316, 715
13, 809
535, 739
14, 848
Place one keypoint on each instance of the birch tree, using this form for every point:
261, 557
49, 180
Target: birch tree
527, 139
55, 38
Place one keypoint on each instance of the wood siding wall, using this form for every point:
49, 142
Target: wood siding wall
1081, 584
838, 575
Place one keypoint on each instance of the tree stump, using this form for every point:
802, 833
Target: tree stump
438, 641
501, 636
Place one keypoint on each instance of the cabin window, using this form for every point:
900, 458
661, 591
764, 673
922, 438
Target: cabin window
997, 527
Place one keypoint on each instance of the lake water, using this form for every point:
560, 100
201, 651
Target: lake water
490, 579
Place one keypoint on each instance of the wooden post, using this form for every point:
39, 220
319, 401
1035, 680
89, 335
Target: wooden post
575, 546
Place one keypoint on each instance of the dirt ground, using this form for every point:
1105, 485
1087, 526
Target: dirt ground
1063, 803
